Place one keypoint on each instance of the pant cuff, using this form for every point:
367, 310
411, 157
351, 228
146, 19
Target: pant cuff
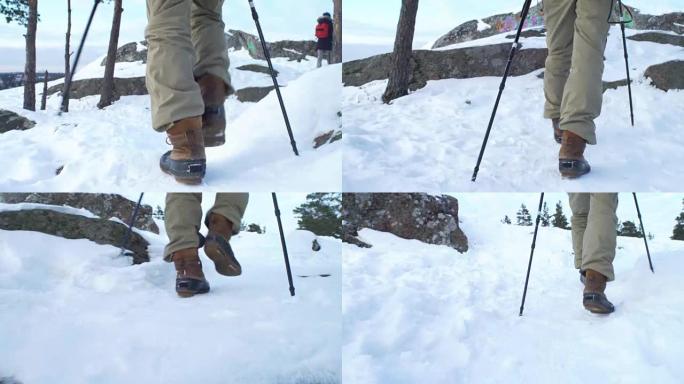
587, 132
602, 268
179, 246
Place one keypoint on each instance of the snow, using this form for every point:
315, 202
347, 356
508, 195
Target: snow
57, 208
117, 148
430, 139
414, 312
89, 315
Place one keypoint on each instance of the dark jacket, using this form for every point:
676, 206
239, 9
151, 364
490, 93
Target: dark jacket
326, 44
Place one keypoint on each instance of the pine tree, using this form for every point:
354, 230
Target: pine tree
545, 217
321, 214
558, 219
506, 220
629, 229
523, 216
256, 228
158, 213
678, 230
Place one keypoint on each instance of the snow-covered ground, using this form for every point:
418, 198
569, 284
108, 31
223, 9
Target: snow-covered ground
414, 312
117, 148
430, 139
73, 311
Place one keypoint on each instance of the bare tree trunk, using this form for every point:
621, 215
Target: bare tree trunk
108, 82
67, 57
43, 100
30, 67
337, 37
400, 71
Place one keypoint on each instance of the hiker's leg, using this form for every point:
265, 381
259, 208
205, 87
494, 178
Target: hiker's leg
579, 205
182, 219
232, 206
209, 41
601, 234
170, 58
583, 92
320, 58
559, 19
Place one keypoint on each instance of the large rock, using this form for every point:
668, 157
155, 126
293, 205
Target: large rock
461, 63
293, 50
419, 216
129, 53
658, 37
10, 121
68, 226
103, 205
666, 76
253, 94
258, 69
507, 22
89, 87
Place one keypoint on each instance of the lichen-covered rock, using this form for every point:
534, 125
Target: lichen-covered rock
253, 94
658, 37
293, 50
68, 226
667, 76
419, 216
257, 68
10, 121
88, 87
461, 63
103, 205
129, 53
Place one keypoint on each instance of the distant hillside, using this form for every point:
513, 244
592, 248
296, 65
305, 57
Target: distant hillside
16, 79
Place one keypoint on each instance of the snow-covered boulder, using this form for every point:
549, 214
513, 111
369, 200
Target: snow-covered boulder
126, 86
74, 226
10, 121
419, 216
666, 76
104, 205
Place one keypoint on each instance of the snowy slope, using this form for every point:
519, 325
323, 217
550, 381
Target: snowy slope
117, 148
430, 140
422, 313
80, 314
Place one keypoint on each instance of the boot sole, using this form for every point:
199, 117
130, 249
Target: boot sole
225, 262
568, 173
597, 309
186, 294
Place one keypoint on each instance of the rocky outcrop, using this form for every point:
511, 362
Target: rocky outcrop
666, 76
419, 216
658, 37
507, 22
89, 87
327, 138
293, 50
129, 53
253, 94
103, 205
257, 68
461, 63
10, 121
68, 226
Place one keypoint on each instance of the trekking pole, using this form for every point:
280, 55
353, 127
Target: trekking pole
67, 85
514, 48
641, 222
267, 54
622, 23
534, 241
127, 237
282, 242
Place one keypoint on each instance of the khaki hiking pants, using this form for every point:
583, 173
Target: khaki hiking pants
576, 38
594, 231
185, 41
183, 216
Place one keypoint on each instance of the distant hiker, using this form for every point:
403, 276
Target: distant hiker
576, 38
324, 33
594, 237
183, 215
188, 81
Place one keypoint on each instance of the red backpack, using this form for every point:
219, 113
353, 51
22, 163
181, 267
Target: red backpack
322, 30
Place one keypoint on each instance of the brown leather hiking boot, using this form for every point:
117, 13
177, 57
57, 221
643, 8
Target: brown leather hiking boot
557, 133
187, 160
189, 276
214, 93
571, 161
217, 245
594, 298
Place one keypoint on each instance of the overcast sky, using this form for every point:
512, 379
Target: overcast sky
280, 19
